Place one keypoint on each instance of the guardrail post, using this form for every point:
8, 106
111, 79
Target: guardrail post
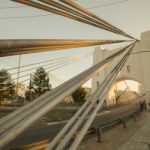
99, 134
134, 117
124, 123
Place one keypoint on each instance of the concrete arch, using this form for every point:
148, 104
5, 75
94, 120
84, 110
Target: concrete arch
122, 78
136, 67
119, 80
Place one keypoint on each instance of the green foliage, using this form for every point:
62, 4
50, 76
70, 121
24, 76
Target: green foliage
21, 100
5, 82
39, 84
79, 96
59, 115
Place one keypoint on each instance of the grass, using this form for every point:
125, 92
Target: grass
58, 115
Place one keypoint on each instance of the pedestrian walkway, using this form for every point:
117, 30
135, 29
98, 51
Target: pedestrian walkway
117, 138
141, 139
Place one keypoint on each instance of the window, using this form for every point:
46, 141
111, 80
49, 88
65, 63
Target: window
97, 74
128, 68
97, 83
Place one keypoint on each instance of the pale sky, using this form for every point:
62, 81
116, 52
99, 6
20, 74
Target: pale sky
131, 16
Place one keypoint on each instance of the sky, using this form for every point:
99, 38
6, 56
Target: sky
132, 16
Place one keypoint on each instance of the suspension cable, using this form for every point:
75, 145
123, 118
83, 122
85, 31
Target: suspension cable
87, 12
15, 47
62, 63
92, 115
22, 71
81, 15
91, 103
73, 14
56, 67
37, 63
22, 118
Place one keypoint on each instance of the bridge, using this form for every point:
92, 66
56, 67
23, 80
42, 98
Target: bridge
86, 120
136, 68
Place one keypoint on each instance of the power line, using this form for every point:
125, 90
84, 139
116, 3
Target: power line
56, 79
29, 65
42, 66
56, 83
75, 12
46, 15
5, 62
53, 61
12, 7
58, 62
56, 65
141, 52
52, 68
94, 7
109, 4
53, 82
24, 17
40, 74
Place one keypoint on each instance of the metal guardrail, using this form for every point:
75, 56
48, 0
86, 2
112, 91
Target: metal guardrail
117, 117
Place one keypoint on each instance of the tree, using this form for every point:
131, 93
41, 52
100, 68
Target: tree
39, 84
79, 96
7, 86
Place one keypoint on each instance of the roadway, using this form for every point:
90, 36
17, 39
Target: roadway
49, 131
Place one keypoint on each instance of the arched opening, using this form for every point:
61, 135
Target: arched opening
124, 90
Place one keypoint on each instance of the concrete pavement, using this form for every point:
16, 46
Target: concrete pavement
117, 137
141, 139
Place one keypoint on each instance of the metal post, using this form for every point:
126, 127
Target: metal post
99, 134
30, 87
124, 123
17, 87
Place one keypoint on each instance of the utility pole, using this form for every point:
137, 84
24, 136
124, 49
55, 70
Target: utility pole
17, 88
30, 87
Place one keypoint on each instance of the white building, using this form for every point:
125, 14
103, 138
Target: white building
137, 67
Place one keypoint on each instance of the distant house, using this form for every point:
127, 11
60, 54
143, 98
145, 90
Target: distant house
88, 91
21, 89
69, 99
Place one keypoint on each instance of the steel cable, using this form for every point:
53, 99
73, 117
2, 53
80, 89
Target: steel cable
21, 119
76, 125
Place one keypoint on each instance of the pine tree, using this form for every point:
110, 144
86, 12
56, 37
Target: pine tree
7, 86
39, 84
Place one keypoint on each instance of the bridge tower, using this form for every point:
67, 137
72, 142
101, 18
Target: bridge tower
137, 67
